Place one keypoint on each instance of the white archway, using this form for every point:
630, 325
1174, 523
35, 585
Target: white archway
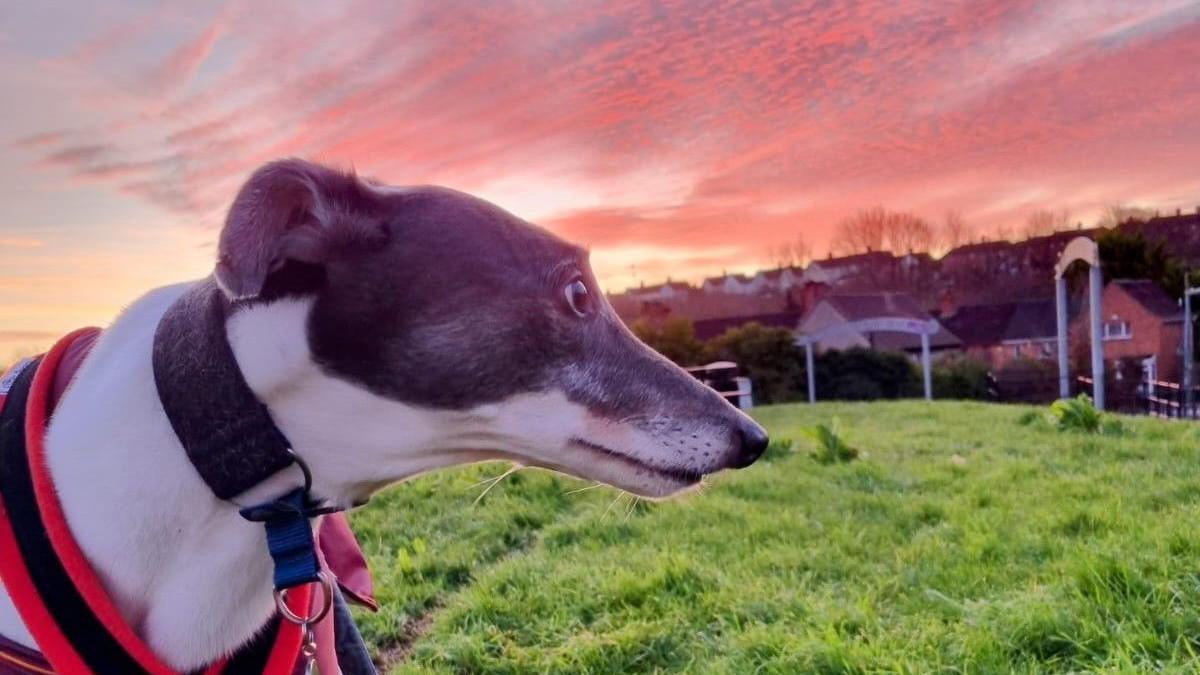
882, 324
1080, 248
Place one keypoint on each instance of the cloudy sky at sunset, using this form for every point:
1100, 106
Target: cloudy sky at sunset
674, 138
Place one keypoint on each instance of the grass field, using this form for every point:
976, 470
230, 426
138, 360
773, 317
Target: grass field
966, 540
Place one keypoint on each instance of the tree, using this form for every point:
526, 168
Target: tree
863, 232
878, 229
1116, 214
907, 233
768, 356
954, 231
675, 339
795, 253
1046, 221
1131, 256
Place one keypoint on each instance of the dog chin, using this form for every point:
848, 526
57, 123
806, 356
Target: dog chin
597, 463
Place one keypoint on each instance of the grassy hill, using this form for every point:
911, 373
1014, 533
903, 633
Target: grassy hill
967, 539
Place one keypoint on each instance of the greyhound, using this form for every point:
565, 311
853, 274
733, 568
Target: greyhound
388, 331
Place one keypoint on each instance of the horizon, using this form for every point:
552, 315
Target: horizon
679, 142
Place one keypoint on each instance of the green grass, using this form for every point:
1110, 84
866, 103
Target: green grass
966, 538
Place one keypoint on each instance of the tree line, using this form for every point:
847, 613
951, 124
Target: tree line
903, 232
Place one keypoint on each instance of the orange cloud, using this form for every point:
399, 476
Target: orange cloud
708, 129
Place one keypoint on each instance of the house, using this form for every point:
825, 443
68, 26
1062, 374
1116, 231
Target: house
873, 264
736, 284
1139, 322
781, 278
836, 309
999, 332
664, 291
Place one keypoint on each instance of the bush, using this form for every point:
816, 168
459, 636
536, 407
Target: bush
1078, 414
858, 374
961, 377
675, 339
1026, 379
768, 356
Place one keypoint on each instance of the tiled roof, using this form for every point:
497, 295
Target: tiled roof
1151, 296
711, 328
983, 325
859, 306
856, 306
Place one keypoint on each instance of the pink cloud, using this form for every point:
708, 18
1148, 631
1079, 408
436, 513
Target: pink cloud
777, 118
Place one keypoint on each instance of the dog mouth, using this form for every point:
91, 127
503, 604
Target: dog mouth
683, 477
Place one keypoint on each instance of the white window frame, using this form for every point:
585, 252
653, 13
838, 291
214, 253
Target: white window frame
1109, 335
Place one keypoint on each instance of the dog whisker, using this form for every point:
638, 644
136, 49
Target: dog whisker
632, 506
613, 503
593, 486
496, 481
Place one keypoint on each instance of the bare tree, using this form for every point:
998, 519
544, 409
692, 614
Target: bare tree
1046, 221
878, 229
954, 231
863, 232
1115, 214
907, 233
795, 253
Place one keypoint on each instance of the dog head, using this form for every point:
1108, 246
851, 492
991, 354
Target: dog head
394, 330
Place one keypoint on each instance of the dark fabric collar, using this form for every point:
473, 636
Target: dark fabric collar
227, 432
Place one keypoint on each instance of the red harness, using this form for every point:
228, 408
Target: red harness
50, 629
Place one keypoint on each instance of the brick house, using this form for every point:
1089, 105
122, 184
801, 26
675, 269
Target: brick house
1139, 321
1000, 332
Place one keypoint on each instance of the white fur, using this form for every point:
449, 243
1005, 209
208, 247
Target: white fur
186, 571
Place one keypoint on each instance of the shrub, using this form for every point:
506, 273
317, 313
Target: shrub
675, 339
961, 377
1026, 379
859, 374
768, 356
830, 447
1078, 414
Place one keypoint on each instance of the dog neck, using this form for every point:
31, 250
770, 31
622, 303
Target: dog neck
186, 571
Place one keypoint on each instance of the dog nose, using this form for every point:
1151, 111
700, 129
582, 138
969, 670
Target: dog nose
753, 442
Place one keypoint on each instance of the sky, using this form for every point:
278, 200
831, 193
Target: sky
673, 138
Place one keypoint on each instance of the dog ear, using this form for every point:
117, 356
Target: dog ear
290, 209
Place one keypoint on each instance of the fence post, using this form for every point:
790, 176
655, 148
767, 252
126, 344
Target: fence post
808, 366
1064, 364
1096, 286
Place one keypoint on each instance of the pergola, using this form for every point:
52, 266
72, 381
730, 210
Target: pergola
882, 324
1080, 248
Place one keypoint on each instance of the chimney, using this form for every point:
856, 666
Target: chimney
811, 293
947, 304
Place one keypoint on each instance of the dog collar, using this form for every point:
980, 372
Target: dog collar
230, 437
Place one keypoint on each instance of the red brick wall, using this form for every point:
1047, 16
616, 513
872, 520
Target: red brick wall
1151, 335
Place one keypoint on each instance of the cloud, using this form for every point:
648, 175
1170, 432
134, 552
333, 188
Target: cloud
726, 126
21, 242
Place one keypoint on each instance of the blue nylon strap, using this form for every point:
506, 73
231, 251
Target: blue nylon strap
289, 538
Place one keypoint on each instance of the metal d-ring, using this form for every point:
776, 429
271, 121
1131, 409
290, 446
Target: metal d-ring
326, 585
308, 479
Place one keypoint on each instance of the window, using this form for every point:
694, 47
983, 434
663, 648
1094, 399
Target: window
1117, 330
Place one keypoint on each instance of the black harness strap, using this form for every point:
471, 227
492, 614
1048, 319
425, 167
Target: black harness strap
88, 636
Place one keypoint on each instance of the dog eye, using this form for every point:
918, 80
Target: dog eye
578, 298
